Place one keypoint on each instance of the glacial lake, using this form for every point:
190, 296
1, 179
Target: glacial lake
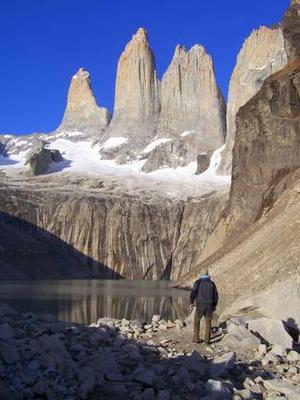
85, 301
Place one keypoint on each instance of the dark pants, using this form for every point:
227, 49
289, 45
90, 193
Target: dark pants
206, 311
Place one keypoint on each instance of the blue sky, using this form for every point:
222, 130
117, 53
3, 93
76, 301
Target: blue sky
43, 42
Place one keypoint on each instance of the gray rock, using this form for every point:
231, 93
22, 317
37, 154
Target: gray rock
272, 331
40, 158
293, 357
6, 310
5, 393
271, 358
163, 395
203, 161
221, 365
278, 350
217, 390
6, 331
239, 338
292, 392
56, 156
9, 353
148, 394
144, 376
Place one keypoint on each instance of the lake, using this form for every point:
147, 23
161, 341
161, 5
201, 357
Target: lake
85, 301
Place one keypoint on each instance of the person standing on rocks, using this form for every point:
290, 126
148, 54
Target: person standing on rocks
205, 295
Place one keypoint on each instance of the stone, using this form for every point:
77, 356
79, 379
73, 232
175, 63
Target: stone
56, 156
163, 395
40, 158
156, 318
82, 112
6, 332
262, 349
280, 301
292, 392
217, 390
6, 310
203, 161
293, 357
262, 54
240, 339
221, 365
271, 358
278, 350
144, 376
272, 331
148, 394
9, 353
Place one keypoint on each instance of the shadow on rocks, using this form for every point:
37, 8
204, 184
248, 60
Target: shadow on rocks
41, 358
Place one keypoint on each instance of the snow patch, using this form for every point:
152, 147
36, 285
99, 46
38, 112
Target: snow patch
151, 146
114, 142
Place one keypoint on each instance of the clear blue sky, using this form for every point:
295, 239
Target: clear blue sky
43, 42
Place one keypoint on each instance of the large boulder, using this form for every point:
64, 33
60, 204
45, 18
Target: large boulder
238, 338
272, 331
281, 301
40, 158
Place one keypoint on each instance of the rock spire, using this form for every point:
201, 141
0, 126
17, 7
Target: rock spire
82, 112
191, 99
137, 92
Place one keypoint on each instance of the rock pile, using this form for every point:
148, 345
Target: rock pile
44, 358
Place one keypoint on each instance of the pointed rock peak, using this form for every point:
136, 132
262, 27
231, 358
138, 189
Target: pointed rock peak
182, 51
198, 49
81, 73
141, 34
139, 41
82, 112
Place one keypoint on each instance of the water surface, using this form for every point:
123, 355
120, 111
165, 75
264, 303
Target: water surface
87, 300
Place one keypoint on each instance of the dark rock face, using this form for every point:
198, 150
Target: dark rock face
40, 158
267, 145
291, 30
56, 156
2, 149
203, 161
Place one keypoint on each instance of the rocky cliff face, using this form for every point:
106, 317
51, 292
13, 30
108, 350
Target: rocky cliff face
262, 54
82, 112
145, 236
267, 144
191, 99
257, 244
137, 93
291, 30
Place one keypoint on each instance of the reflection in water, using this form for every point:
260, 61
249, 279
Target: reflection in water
87, 300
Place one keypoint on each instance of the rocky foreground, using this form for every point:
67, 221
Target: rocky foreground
41, 358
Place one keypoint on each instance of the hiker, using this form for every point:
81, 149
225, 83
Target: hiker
205, 294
